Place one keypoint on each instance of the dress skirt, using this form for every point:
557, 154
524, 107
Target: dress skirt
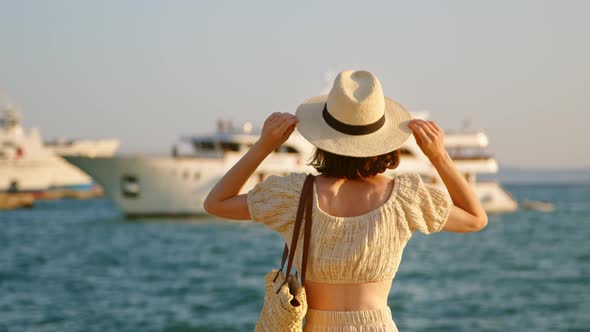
378, 320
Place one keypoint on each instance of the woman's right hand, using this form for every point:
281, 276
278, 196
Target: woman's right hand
429, 137
276, 130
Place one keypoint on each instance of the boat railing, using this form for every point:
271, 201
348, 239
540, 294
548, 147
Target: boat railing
460, 157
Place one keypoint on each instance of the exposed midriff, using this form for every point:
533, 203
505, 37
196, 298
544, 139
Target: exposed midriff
347, 297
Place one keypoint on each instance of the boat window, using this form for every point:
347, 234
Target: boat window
286, 149
204, 145
197, 175
13, 187
130, 186
230, 146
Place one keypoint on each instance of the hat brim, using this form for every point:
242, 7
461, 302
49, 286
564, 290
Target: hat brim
391, 136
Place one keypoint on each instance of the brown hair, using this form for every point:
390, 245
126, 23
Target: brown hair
339, 166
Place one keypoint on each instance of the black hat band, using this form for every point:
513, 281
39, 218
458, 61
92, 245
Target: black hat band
351, 129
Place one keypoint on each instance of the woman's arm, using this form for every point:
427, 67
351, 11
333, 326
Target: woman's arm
467, 214
223, 200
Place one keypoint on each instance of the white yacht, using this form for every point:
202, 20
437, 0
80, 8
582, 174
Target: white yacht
26, 164
177, 185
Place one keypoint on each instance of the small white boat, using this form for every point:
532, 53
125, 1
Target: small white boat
537, 206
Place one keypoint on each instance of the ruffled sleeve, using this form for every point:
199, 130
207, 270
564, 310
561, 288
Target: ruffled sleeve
274, 201
425, 207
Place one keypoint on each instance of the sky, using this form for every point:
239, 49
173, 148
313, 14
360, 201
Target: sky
147, 72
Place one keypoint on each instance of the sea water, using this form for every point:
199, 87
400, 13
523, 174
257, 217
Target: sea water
79, 266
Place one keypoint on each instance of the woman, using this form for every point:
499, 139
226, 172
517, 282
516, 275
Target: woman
361, 220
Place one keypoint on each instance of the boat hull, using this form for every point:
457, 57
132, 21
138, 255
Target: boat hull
39, 175
162, 186
25, 175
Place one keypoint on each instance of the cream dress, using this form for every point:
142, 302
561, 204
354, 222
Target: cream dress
364, 248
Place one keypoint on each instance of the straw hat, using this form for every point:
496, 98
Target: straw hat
355, 118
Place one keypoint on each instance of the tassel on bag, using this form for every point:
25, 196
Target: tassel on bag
285, 302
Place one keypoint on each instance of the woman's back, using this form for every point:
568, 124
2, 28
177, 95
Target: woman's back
350, 198
360, 228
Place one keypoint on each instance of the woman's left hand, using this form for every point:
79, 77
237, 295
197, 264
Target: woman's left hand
276, 130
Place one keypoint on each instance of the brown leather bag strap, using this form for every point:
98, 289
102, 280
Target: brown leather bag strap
285, 254
298, 217
283, 260
298, 222
307, 185
307, 231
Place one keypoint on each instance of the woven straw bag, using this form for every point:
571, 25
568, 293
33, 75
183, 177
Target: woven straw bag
285, 303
